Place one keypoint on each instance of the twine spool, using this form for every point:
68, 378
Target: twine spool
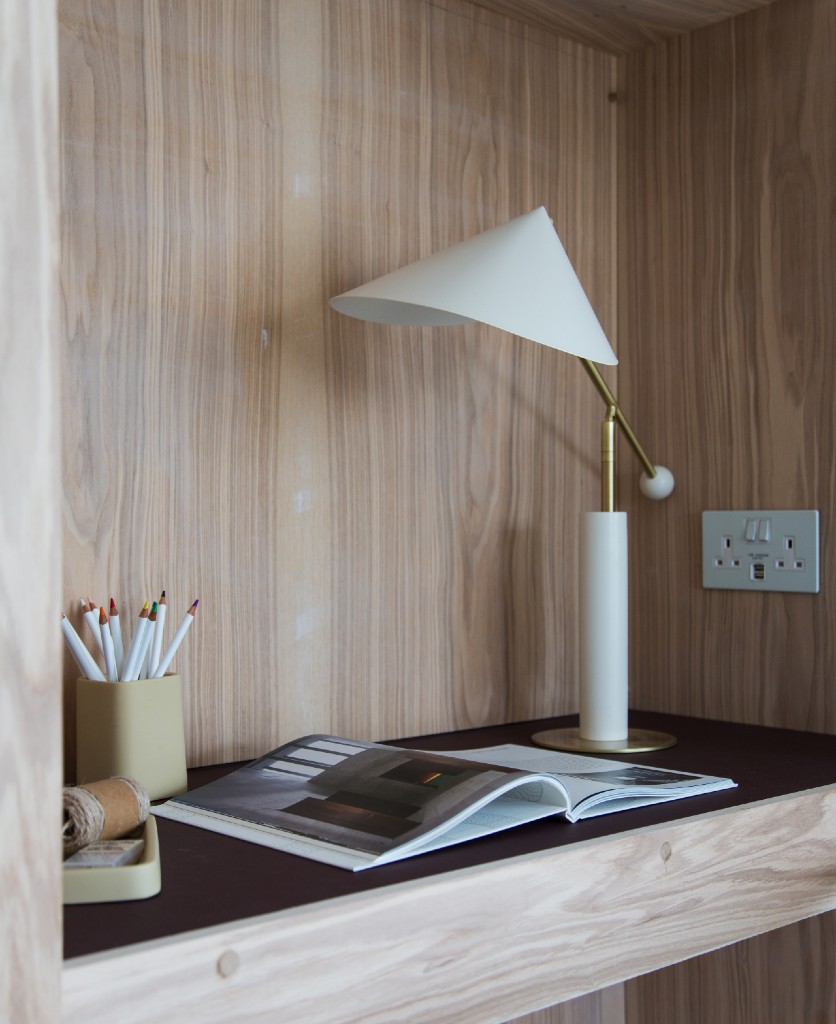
108, 809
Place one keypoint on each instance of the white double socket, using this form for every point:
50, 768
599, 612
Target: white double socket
756, 549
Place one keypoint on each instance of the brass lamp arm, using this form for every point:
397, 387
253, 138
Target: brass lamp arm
656, 482
609, 398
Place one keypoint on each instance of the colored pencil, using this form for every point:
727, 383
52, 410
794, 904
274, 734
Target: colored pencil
116, 633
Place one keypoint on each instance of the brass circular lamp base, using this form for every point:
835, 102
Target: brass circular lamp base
637, 740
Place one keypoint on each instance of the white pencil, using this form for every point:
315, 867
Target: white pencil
148, 643
83, 658
188, 619
107, 647
158, 637
92, 620
134, 672
136, 641
142, 650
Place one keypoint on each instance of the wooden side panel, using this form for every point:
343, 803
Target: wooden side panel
380, 524
729, 257
30, 738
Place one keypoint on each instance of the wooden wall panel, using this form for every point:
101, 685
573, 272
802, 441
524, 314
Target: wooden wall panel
728, 253
455, 460
30, 736
380, 524
181, 232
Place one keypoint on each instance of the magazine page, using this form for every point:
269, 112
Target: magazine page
355, 804
597, 785
528, 799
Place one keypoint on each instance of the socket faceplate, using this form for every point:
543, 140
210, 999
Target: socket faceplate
761, 550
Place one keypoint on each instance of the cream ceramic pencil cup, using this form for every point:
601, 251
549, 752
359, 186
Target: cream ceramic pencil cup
132, 729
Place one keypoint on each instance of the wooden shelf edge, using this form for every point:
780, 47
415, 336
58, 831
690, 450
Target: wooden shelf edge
492, 942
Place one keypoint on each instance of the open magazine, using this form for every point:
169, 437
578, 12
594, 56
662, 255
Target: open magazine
356, 805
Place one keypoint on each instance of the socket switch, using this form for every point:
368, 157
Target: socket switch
761, 550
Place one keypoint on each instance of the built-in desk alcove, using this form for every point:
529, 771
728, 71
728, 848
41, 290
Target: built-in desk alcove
382, 529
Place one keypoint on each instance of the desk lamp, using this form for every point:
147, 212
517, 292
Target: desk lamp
517, 277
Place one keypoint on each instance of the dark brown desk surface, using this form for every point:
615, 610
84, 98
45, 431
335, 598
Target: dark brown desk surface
210, 879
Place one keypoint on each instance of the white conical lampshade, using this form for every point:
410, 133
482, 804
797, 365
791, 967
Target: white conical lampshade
516, 277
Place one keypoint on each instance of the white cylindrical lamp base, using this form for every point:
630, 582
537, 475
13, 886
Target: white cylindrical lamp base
603, 627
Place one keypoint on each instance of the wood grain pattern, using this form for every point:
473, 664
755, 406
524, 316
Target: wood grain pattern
489, 942
728, 157
374, 521
189, 467
618, 27
30, 738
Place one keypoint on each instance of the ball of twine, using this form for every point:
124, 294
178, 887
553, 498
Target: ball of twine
105, 810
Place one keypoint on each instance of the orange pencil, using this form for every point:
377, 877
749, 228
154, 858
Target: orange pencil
116, 633
107, 647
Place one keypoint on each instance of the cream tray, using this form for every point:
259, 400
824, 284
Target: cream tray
111, 884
